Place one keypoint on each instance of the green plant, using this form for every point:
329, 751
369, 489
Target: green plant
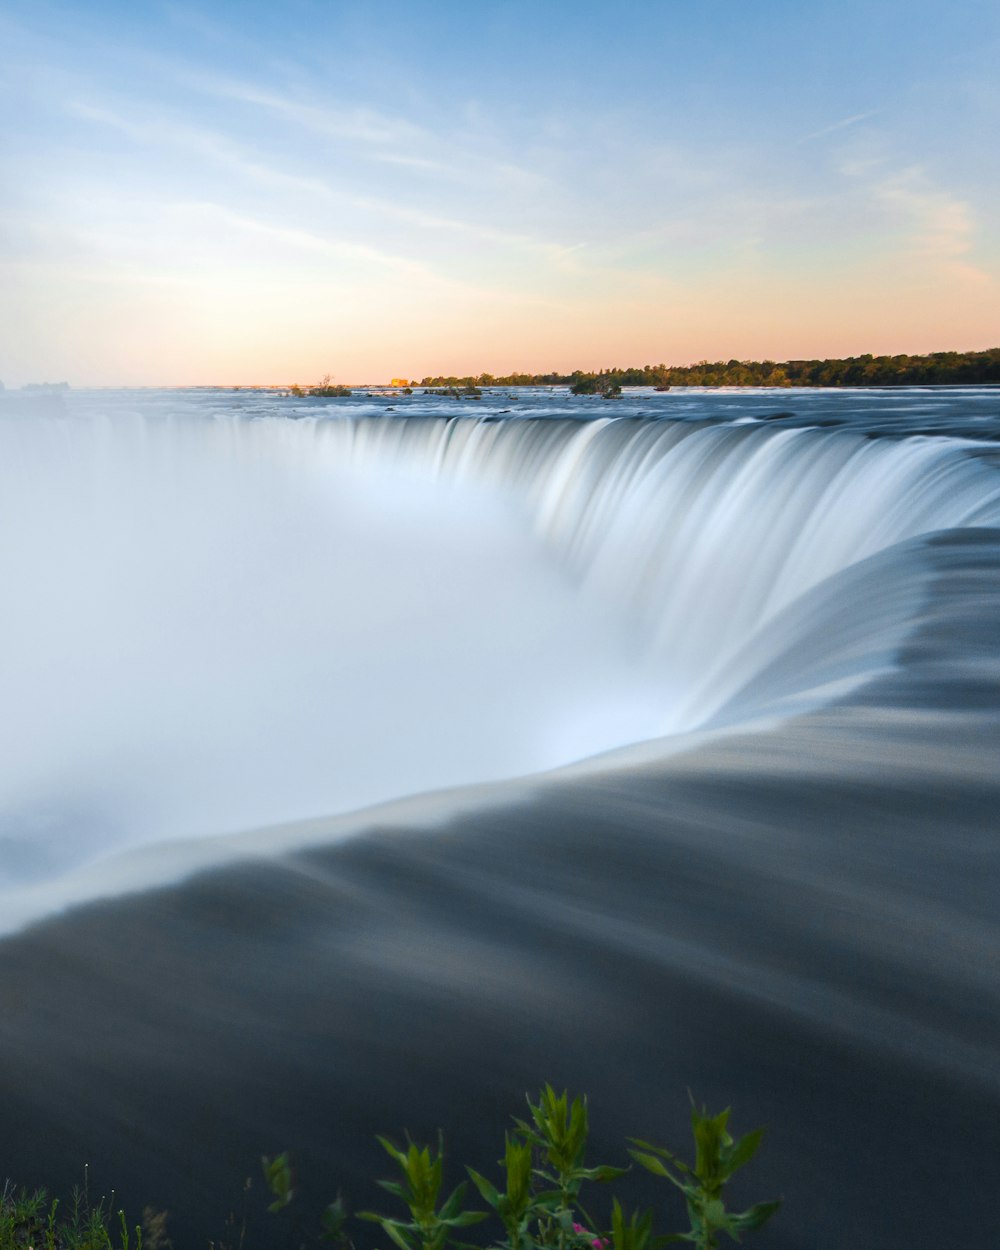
278, 1176
538, 1201
30, 1218
430, 1225
544, 1173
280, 1181
557, 1134
717, 1157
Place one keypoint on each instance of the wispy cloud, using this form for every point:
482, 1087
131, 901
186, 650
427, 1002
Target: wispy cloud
377, 136
843, 124
220, 149
941, 227
309, 241
423, 163
155, 130
357, 125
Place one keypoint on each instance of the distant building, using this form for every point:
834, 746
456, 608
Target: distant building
399, 382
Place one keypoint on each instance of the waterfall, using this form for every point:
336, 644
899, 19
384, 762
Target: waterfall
218, 620
706, 533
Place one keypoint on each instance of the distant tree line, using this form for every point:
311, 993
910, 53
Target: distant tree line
939, 368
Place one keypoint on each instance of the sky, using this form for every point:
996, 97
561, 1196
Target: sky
238, 193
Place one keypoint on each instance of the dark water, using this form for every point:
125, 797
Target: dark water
787, 903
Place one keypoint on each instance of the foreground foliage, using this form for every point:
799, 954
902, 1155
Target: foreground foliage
537, 1201
31, 1220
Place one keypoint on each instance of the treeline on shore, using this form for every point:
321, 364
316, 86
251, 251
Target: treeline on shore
938, 368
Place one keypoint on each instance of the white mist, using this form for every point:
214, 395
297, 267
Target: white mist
209, 626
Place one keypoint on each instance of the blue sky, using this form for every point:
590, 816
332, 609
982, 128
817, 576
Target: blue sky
250, 192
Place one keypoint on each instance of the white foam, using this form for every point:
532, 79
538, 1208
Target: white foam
208, 628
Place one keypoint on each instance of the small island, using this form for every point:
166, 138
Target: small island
324, 389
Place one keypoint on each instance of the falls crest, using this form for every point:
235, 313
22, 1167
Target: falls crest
706, 533
215, 621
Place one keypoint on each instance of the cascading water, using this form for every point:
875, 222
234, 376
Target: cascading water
703, 534
777, 885
220, 621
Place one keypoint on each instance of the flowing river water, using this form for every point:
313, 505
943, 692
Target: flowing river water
365, 768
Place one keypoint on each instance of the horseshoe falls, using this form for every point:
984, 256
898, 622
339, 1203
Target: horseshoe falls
361, 770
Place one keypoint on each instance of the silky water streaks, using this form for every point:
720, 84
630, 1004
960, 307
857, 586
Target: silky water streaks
720, 695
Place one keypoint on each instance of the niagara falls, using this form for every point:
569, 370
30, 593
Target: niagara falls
499, 625
351, 742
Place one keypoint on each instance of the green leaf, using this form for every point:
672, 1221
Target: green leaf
488, 1191
523, 1127
398, 1234
517, 1163
651, 1164
662, 1151
659, 1169
714, 1213
744, 1150
465, 1218
712, 1141
333, 1219
632, 1233
755, 1216
278, 1177
605, 1172
547, 1196
390, 1149
454, 1201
